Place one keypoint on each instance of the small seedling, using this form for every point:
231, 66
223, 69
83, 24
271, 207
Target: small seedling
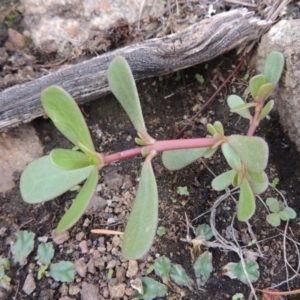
203, 268
279, 212
23, 246
4, 279
204, 231
274, 182
236, 271
161, 230
183, 191
56, 173
200, 78
246, 76
63, 271
151, 289
110, 274
238, 296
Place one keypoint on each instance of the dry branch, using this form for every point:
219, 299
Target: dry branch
87, 80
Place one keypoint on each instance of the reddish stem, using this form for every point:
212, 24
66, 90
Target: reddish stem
160, 146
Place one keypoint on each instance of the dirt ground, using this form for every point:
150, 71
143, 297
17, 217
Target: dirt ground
168, 102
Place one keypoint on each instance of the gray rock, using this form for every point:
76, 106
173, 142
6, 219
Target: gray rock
18, 147
285, 37
81, 267
64, 25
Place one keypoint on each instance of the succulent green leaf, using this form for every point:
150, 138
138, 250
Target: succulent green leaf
162, 267
231, 157
69, 159
80, 203
273, 204
178, 274
140, 142
23, 246
203, 267
219, 127
223, 181
123, 86
265, 91
141, 227
90, 153
258, 182
233, 101
205, 231
210, 152
236, 180
152, 289
274, 66
242, 107
255, 83
211, 129
266, 110
42, 181
177, 159
45, 253
246, 204
236, 271
291, 213
66, 116
274, 219
252, 150
63, 271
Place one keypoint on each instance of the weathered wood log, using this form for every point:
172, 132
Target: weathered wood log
87, 80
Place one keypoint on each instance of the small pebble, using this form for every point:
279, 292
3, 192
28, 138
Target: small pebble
81, 267
74, 290
29, 284
83, 246
132, 268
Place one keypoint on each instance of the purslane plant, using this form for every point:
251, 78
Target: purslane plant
56, 173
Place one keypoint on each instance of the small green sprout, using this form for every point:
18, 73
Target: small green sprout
238, 296
246, 76
161, 230
203, 268
23, 246
279, 212
274, 182
110, 274
4, 279
200, 78
151, 289
183, 191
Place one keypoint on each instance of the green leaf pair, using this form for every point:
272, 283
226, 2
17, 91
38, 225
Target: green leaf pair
53, 175
166, 270
279, 212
